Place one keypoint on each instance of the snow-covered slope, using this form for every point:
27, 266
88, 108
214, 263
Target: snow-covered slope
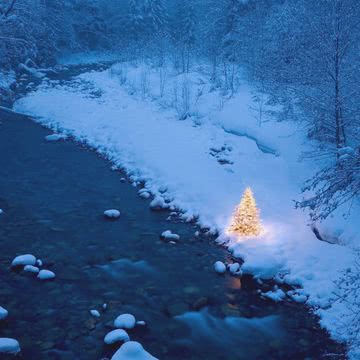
205, 166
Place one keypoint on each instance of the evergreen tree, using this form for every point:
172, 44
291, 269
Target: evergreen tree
157, 18
245, 221
135, 19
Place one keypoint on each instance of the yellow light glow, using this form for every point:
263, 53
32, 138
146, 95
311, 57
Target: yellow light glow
245, 220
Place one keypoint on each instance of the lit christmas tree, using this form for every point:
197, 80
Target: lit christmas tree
245, 221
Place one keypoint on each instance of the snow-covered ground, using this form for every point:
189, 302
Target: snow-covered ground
202, 164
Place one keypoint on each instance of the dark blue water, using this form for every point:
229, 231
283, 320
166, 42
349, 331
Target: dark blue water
53, 195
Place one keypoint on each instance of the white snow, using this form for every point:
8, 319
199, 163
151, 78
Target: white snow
170, 236
112, 213
39, 262
235, 268
23, 260
158, 203
46, 275
132, 350
276, 295
182, 164
3, 313
9, 346
125, 321
116, 336
31, 269
55, 137
95, 313
220, 267
144, 193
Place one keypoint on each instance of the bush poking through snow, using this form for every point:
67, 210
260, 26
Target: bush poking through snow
132, 350
112, 214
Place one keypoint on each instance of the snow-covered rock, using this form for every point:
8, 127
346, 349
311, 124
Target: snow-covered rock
234, 269
158, 203
94, 313
46, 275
169, 236
112, 213
23, 260
297, 295
39, 262
31, 268
9, 346
276, 295
1, 211
104, 306
132, 350
116, 336
144, 194
3, 313
55, 137
125, 321
141, 323
220, 267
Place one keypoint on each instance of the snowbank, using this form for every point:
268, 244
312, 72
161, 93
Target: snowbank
205, 163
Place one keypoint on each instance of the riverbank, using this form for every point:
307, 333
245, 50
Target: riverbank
53, 196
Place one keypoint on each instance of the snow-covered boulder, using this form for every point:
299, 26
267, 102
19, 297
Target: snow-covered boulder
55, 137
112, 213
220, 267
158, 203
3, 313
125, 321
116, 336
276, 295
31, 269
39, 262
1, 211
169, 236
95, 313
132, 350
234, 269
23, 260
46, 275
9, 346
144, 194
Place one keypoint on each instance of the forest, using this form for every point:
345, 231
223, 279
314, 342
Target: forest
193, 164
305, 54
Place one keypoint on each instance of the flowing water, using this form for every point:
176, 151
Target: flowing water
53, 195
